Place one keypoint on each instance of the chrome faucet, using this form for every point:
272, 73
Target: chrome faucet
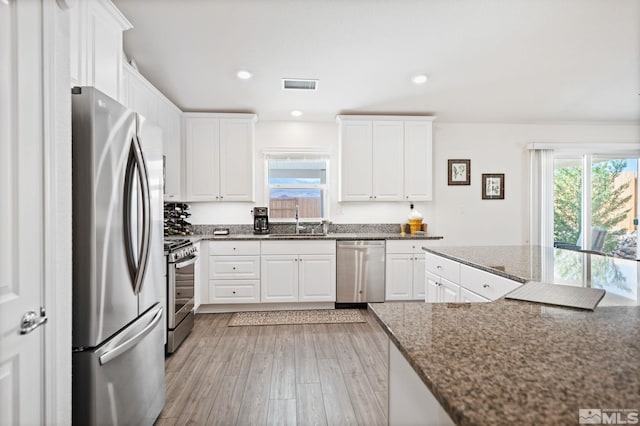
298, 227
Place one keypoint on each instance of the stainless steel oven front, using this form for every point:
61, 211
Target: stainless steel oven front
181, 264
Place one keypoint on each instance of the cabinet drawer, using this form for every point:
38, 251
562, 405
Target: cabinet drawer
406, 246
299, 247
442, 267
484, 283
230, 267
234, 291
231, 248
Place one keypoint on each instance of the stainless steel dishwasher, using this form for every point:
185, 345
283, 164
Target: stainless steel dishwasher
360, 271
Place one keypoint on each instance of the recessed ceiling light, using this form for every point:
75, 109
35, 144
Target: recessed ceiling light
244, 75
296, 113
419, 79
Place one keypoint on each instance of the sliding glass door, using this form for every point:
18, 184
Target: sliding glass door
595, 203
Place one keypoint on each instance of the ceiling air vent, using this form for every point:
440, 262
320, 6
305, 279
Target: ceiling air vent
299, 84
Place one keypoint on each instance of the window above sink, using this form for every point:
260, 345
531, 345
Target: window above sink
297, 180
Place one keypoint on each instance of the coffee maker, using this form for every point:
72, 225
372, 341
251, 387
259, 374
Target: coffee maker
260, 220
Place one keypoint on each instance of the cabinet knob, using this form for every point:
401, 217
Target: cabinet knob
438, 267
485, 285
221, 197
234, 268
234, 292
234, 248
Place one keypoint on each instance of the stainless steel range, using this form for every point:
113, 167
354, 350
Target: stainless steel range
181, 258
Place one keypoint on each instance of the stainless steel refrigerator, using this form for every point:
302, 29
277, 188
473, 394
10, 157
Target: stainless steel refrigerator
118, 275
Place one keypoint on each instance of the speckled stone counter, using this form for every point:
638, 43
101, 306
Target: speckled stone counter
512, 363
331, 236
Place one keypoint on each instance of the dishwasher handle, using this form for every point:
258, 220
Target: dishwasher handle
360, 244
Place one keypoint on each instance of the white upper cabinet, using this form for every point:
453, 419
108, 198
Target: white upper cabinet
388, 158
356, 161
385, 158
96, 57
219, 154
170, 119
418, 160
142, 97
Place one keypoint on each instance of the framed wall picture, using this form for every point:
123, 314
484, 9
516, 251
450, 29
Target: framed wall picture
459, 172
493, 186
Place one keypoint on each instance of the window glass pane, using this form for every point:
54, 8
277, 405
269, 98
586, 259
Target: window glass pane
614, 194
283, 201
297, 172
567, 202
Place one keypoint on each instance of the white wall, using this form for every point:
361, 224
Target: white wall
457, 212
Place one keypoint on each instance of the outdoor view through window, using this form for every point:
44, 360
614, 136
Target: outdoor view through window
300, 182
612, 206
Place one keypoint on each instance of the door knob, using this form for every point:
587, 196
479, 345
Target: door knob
31, 321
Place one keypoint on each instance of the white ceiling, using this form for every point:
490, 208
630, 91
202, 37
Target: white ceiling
487, 60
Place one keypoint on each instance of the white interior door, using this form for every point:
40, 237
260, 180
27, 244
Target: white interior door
21, 189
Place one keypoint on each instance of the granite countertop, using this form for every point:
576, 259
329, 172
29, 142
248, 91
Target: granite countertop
330, 236
619, 277
509, 362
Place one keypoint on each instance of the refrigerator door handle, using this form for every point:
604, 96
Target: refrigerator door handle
143, 175
130, 343
137, 162
129, 183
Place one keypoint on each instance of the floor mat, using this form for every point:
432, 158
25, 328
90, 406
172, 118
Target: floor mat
323, 316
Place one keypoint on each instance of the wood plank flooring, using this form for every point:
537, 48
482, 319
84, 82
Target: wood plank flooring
312, 374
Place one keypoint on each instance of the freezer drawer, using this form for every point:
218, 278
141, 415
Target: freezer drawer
122, 381
360, 271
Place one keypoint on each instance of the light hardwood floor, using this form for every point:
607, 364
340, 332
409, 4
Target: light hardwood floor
315, 374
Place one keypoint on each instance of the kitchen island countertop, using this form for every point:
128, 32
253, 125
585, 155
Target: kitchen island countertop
510, 362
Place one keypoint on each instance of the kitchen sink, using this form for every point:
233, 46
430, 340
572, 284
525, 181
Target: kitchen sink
290, 236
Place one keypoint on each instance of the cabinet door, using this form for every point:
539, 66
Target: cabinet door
317, 278
399, 277
450, 292
279, 278
102, 56
356, 161
236, 160
141, 98
418, 277
467, 296
202, 148
388, 159
169, 119
418, 161
432, 283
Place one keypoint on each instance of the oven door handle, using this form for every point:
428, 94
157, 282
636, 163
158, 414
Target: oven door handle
190, 261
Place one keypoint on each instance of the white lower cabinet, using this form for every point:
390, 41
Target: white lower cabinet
280, 278
441, 290
485, 284
450, 281
234, 272
296, 271
467, 296
405, 269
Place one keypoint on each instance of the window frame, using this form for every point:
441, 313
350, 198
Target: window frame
299, 156
543, 156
